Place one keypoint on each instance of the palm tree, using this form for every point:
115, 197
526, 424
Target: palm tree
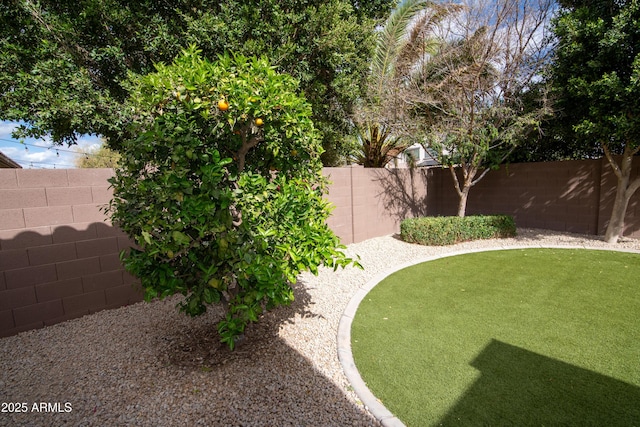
379, 146
404, 41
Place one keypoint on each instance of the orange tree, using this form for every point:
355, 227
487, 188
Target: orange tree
221, 188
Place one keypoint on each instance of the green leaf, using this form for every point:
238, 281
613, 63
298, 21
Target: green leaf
146, 236
180, 238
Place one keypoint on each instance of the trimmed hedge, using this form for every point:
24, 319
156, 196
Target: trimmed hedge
448, 230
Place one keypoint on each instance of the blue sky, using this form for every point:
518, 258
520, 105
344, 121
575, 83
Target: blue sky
39, 153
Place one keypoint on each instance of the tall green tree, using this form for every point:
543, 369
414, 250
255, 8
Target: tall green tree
64, 64
596, 75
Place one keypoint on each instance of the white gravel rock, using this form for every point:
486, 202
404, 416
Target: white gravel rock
149, 365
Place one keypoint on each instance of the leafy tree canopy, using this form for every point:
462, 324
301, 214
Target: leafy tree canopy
596, 71
101, 157
65, 62
596, 75
555, 141
222, 188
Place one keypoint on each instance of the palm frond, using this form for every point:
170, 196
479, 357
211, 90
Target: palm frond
378, 146
391, 40
420, 39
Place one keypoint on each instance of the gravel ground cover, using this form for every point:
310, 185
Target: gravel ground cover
149, 365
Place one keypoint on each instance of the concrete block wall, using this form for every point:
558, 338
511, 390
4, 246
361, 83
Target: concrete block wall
573, 196
59, 258
341, 196
372, 202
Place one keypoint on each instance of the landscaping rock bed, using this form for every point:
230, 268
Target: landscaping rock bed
149, 365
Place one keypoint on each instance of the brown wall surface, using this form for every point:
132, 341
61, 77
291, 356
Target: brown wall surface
59, 255
372, 202
59, 258
574, 196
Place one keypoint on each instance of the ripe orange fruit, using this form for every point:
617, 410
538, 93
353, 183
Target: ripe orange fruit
223, 105
259, 122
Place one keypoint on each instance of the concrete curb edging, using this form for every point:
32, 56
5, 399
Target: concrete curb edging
370, 402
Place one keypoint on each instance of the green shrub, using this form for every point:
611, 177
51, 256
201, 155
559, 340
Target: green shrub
222, 187
448, 230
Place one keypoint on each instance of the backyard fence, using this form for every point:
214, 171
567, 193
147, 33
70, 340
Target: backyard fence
59, 253
574, 196
59, 258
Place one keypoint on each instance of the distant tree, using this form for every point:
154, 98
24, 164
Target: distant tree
100, 157
468, 95
596, 75
64, 64
399, 46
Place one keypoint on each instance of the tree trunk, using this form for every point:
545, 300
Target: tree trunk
615, 227
462, 203
625, 189
462, 188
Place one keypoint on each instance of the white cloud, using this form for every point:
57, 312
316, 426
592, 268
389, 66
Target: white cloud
36, 157
89, 143
41, 153
6, 128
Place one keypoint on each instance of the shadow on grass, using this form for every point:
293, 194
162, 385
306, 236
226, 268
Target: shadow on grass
519, 387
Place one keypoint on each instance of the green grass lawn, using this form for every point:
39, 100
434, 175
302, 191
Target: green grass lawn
512, 337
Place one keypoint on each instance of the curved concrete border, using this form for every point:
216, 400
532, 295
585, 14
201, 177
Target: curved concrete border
371, 403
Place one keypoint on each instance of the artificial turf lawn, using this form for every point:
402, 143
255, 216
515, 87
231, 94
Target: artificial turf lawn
510, 337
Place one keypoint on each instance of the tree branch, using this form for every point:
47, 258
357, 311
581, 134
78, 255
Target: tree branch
612, 162
633, 187
455, 180
247, 144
